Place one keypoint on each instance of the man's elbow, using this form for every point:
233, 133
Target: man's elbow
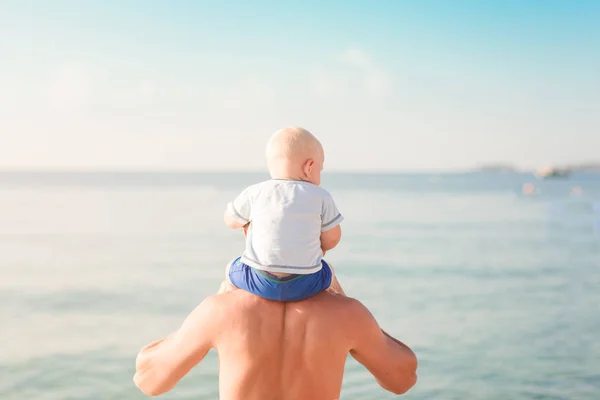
406, 379
150, 387
403, 385
149, 377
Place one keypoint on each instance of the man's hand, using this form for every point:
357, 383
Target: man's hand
163, 363
393, 363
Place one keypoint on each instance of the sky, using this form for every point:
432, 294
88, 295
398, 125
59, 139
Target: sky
385, 85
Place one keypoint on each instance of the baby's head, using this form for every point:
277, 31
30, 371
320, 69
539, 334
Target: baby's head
294, 153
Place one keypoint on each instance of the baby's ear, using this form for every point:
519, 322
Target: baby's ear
308, 165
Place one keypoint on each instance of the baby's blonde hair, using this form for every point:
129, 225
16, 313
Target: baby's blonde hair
293, 144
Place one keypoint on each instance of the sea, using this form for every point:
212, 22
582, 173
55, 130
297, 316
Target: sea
492, 278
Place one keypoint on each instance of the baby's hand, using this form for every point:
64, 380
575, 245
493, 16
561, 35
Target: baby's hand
245, 229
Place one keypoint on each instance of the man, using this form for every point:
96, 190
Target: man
275, 350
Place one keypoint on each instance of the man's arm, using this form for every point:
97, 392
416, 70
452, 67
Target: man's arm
162, 364
392, 363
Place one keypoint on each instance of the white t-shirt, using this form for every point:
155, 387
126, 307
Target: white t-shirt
287, 218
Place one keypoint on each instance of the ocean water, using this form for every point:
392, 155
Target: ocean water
498, 293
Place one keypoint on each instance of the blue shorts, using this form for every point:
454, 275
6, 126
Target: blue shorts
272, 287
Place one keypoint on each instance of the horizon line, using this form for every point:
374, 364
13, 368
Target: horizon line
248, 171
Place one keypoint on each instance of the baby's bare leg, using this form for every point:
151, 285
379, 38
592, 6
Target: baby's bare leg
226, 285
335, 286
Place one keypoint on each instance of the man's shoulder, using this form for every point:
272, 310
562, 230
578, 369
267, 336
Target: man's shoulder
239, 297
218, 305
234, 301
347, 313
339, 303
352, 304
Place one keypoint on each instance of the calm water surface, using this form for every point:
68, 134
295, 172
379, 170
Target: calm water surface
498, 293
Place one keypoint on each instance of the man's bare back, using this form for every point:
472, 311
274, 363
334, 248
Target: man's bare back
277, 351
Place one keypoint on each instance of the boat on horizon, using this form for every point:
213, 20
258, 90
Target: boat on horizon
553, 172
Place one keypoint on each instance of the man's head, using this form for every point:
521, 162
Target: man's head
294, 153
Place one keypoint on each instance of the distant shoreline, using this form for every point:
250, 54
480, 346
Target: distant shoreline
587, 168
499, 167
245, 172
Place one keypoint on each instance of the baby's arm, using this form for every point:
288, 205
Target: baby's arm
231, 222
331, 231
237, 213
331, 238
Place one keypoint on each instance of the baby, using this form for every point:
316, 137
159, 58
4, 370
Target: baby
289, 222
